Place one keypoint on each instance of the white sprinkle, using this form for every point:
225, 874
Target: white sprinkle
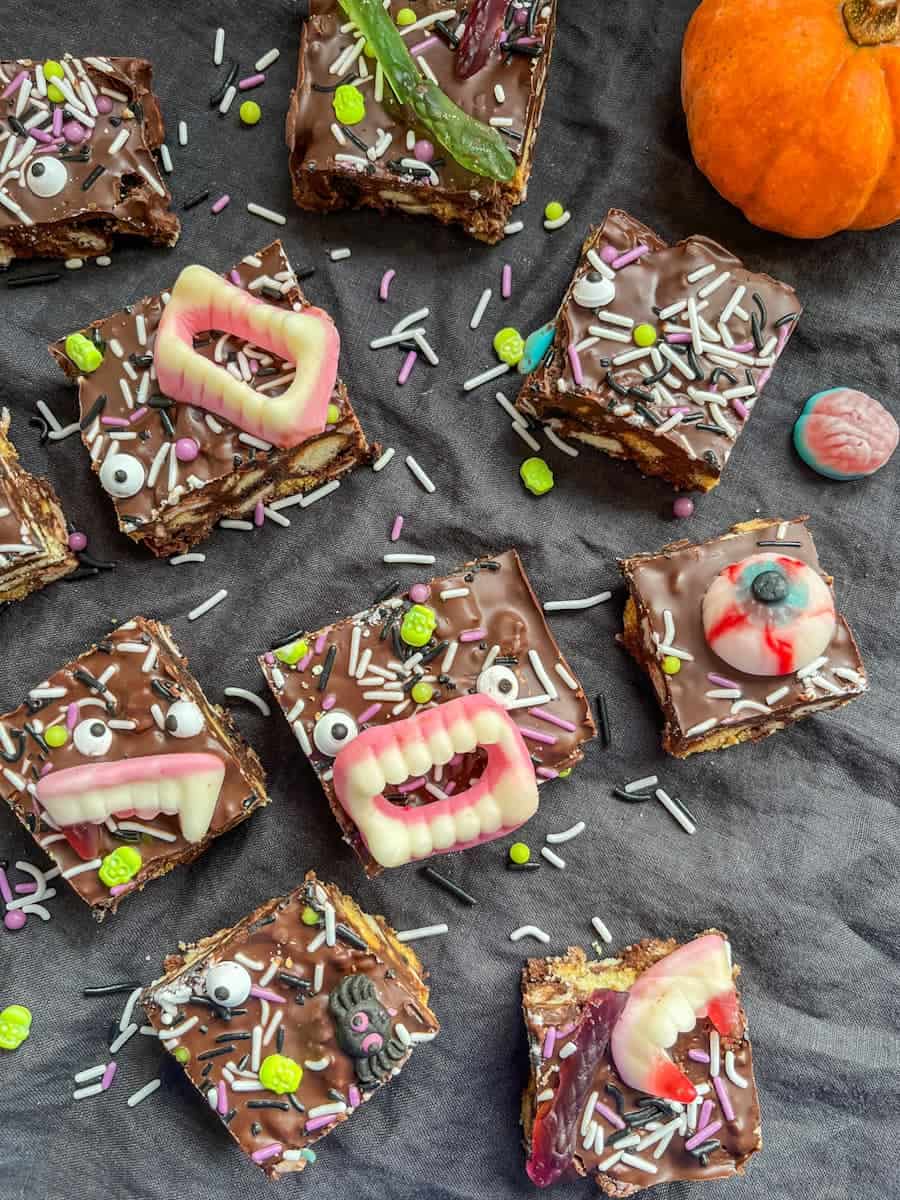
485, 377
74, 264
552, 858
499, 93
142, 1093
125, 1036
420, 474
91, 1073
558, 442
449, 657
318, 493
672, 808
318, 980
508, 408
231, 523
543, 678
380, 463
723, 694
330, 935
601, 929
669, 424
575, 605
569, 680
391, 339
480, 307
83, 1093
529, 931
454, 593
813, 667
228, 100
701, 273
749, 706
219, 47
266, 213
714, 1053
339, 254
182, 135
732, 1072
640, 1164
302, 737
424, 931
526, 437
676, 652
426, 69
558, 222
513, 227
846, 673
267, 59
425, 560
556, 839
778, 694
204, 608
272, 1027
125, 1019
330, 1110
611, 1161
80, 868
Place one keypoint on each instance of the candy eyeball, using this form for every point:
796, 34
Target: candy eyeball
593, 290
92, 737
769, 615
228, 983
46, 177
500, 683
334, 731
184, 719
122, 475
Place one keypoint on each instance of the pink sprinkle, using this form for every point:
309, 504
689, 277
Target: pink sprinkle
251, 81
57, 144
14, 84
450, 787
608, 253
75, 133
547, 773
419, 593
46, 767
535, 735
222, 202
15, 920
40, 136
763, 379
5, 889
631, 256
254, 366
120, 888
740, 408
613, 1117
565, 1030
57, 124
305, 661
678, 339
221, 1098
473, 635
259, 515
71, 716
353, 1096
118, 422
396, 527
743, 348
385, 285
551, 719
406, 370
673, 411
368, 713
103, 104
138, 413
264, 994
702, 1134
235, 277
411, 785
426, 45
317, 1123
705, 1113
269, 657
77, 540
329, 702
506, 281
25, 889
724, 1098
549, 1042
269, 1151
320, 643
721, 681
575, 361
109, 1074
698, 1056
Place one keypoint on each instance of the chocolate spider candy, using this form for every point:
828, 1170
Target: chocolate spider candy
432, 717
291, 1020
740, 635
217, 399
121, 769
658, 354
76, 157
641, 1067
33, 539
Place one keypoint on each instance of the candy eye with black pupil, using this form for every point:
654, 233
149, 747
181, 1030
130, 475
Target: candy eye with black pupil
333, 731
184, 719
228, 983
46, 177
92, 738
500, 683
122, 475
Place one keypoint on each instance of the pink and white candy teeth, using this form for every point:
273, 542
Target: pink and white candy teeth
504, 796
308, 340
769, 615
668, 999
186, 784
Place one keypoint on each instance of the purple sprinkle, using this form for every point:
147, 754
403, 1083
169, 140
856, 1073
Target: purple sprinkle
520, 17
25, 889
75, 133
5, 889
506, 281
71, 716
473, 635
763, 379
222, 202
329, 702
565, 1030
316, 1123
608, 253
721, 681
535, 735
423, 150
743, 347
269, 657
702, 1134
549, 1042
406, 370
673, 411
45, 768
221, 1098
368, 713
724, 1098
419, 593
678, 339
547, 772
385, 285
254, 367
15, 919
14, 84
57, 145
262, 993
259, 515
40, 136
740, 408
251, 81
698, 1056
631, 256
575, 361
120, 888
320, 643
705, 1113
235, 277
109, 1074
396, 527
411, 785
57, 124
542, 715
271, 1150
613, 1117
118, 422
353, 1096
423, 46
450, 787
305, 661
103, 104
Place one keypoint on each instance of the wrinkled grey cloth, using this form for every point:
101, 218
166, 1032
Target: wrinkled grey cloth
796, 848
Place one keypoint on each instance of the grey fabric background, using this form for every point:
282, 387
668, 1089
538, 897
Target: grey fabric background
795, 853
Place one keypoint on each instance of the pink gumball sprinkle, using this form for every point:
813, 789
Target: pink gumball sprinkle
186, 449
423, 150
77, 541
419, 593
74, 133
104, 104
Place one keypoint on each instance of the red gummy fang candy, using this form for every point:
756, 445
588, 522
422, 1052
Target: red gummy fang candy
556, 1124
83, 840
483, 27
725, 1014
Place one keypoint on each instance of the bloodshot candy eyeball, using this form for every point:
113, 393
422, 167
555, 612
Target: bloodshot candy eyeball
768, 615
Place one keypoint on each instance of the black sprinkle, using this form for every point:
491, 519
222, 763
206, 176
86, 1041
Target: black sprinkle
279, 1040
242, 1065
434, 651
756, 331
712, 429
684, 808
126, 835
642, 408
617, 1097
399, 647
93, 412
166, 422
760, 304
786, 319
348, 935
88, 560
89, 180
216, 98
631, 797
17, 127
294, 980
112, 989
444, 31
603, 718
617, 1137
38, 738
286, 641
790, 545
694, 364
88, 680
305, 273
295, 1103
722, 373
320, 87
355, 139
239, 1036
256, 1129
326, 668
21, 281
282, 1104
206, 1070
193, 201
525, 51
617, 387
229, 1116
214, 1053
526, 866
141, 360
164, 689
390, 590
18, 738
448, 885
692, 418
160, 402
510, 133
81, 573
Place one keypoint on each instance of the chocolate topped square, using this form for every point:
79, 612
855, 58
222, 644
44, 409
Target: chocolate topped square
660, 353
121, 769
739, 635
172, 469
431, 717
376, 153
291, 1020
76, 157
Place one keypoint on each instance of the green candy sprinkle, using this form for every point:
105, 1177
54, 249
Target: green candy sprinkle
536, 476
56, 736
333, 415
182, 1054
250, 112
120, 865
292, 652
84, 354
554, 210
349, 104
309, 916
509, 345
418, 624
280, 1074
15, 1025
421, 692
519, 853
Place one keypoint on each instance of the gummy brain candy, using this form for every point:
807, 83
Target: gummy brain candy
418, 624
768, 615
845, 434
15, 1025
120, 865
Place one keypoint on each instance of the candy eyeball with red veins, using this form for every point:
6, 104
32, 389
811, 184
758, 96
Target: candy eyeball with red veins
122, 475
333, 731
769, 615
228, 983
46, 177
184, 719
500, 683
92, 737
